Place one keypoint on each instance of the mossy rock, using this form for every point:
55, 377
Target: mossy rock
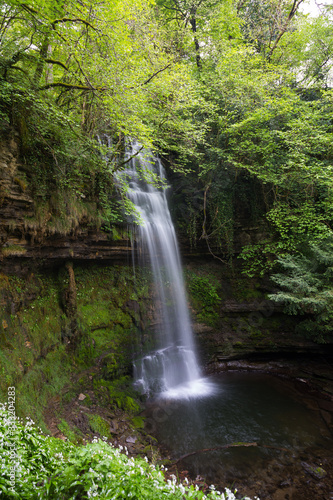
99, 425
138, 422
316, 472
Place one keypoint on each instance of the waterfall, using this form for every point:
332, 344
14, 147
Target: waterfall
172, 368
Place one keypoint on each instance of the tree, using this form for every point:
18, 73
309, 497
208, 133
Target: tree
208, 21
113, 71
266, 22
264, 120
305, 289
105, 58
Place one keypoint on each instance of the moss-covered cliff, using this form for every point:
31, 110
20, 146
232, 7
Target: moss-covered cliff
74, 314
72, 330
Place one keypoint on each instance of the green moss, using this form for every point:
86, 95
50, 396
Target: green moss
87, 401
118, 393
256, 334
67, 431
13, 250
43, 381
138, 422
99, 425
238, 345
69, 394
203, 291
35, 338
246, 289
111, 366
33, 355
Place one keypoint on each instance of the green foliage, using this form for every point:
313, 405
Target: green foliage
234, 94
204, 288
203, 292
120, 73
296, 177
35, 466
113, 55
306, 288
67, 431
118, 393
264, 150
99, 425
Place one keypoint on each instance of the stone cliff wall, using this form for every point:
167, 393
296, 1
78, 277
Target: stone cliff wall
28, 232
241, 323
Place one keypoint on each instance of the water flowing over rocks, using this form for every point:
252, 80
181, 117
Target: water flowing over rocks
172, 365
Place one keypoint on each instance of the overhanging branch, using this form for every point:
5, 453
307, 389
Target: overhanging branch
76, 20
70, 86
59, 63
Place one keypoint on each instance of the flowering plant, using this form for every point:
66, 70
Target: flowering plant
35, 466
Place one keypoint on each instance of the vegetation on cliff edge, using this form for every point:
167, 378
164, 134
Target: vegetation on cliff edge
35, 466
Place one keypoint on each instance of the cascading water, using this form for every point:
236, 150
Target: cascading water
172, 369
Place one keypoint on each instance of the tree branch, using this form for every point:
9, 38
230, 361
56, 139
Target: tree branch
53, 61
204, 232
84, 75
29, 9
292, 12
19, 68
70, 86
155, 74
151, 77
129, 159
76, 20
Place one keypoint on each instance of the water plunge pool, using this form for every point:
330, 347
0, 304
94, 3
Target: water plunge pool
245, 432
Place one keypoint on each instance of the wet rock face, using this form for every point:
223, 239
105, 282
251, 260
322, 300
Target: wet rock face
15, 201
22, 240
243, 322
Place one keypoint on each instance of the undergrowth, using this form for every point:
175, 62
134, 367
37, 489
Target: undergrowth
34, 354
35, 466
203, 291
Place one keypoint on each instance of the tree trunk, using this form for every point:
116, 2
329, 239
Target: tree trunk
193, 23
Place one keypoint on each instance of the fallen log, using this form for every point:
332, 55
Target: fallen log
231, 445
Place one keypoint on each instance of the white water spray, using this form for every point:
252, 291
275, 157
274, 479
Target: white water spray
172, 369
